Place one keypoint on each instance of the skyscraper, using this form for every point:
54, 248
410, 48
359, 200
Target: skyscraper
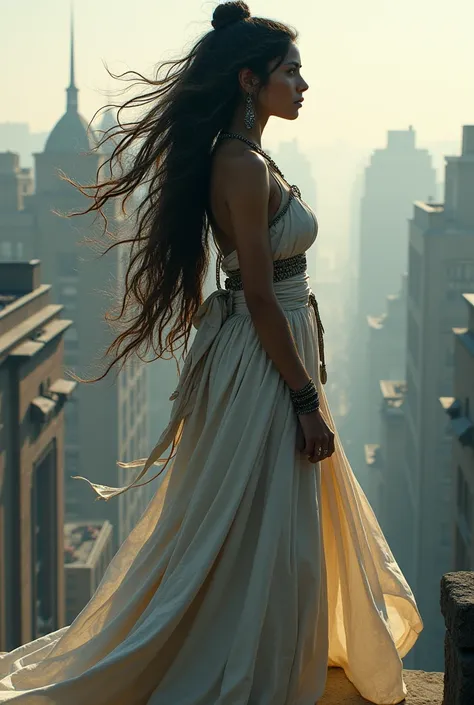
441, 269
396, 176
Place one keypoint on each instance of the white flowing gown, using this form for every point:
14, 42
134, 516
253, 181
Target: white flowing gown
252, 570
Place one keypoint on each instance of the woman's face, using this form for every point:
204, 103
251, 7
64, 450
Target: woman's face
283, 94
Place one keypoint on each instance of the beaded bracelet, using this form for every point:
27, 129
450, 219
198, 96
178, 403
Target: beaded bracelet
305, 400
307, 408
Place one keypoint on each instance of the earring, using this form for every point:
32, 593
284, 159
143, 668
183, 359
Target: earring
249, 118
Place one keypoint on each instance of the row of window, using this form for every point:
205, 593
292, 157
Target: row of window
459, 276
464, 499
12, 250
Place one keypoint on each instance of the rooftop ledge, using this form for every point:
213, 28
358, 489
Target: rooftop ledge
430, 207
423, 689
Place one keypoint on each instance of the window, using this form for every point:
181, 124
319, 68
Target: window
411, 455
6, 250
460, 277
414, 274
464, 499
69, 290
123, 414
413, 342
412, 395
72, 422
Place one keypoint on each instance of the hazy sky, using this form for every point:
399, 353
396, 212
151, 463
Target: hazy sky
372, 65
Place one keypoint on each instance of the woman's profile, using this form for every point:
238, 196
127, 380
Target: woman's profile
259, 562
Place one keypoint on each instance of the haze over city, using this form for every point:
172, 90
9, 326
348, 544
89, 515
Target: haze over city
372, 65
383, 152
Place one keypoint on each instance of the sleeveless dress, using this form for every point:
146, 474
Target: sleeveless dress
252, 570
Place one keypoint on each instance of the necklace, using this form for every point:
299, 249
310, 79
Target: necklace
257, 148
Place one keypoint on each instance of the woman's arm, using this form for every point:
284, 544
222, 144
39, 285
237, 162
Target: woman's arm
247, 190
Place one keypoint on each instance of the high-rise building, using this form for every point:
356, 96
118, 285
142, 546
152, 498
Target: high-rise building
17, 137
441, 269
386, 349
107, 421
88, 550
397, 175
33, 392
387, 486
16, 221
460, 409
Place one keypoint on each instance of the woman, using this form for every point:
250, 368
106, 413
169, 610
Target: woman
259, 561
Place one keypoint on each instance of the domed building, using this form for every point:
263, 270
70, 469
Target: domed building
71, 133
82, 282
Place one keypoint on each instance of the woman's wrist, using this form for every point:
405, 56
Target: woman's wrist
306, 399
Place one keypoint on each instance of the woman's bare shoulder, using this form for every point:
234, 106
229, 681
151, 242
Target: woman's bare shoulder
238, 165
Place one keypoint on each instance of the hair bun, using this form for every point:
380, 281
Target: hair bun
229, 12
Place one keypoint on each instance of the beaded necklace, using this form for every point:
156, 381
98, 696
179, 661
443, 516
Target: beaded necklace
257, 148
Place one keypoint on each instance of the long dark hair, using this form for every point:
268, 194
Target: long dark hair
191, 101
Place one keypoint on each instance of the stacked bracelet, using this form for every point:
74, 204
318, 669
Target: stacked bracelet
305, 400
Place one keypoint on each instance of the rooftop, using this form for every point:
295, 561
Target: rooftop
80, 539
393, 390
372, 455
70, 134
6, 300
470, 299
424, 688
376, 321
393, 395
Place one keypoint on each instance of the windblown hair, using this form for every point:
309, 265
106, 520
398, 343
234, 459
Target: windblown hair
189, 103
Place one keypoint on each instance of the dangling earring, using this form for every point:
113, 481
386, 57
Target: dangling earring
249, 119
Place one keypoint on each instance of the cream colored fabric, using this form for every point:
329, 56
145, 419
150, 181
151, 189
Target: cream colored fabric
251, 570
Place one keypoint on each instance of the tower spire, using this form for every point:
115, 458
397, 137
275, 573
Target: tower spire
72, 90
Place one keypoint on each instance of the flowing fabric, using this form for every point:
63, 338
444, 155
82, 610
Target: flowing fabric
251, 570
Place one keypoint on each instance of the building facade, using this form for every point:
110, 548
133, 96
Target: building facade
441, 269
385, 355
33, 395
460, 410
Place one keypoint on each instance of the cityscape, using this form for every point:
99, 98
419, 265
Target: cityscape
398, 298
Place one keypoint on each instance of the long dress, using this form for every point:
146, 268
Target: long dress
251, 570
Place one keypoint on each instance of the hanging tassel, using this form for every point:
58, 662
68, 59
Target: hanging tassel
323, 375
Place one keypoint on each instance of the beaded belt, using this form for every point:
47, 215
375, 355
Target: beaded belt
284, 269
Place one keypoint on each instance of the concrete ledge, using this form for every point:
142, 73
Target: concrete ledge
423, 689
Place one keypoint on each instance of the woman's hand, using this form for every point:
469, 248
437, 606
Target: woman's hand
314, 437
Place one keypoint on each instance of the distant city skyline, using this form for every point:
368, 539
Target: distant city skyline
372, 67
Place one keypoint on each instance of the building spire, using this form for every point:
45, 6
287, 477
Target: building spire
72, 90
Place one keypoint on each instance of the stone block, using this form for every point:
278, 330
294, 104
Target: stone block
457, 607
459, 673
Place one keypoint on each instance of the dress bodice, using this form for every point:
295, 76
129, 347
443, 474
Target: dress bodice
291, 235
